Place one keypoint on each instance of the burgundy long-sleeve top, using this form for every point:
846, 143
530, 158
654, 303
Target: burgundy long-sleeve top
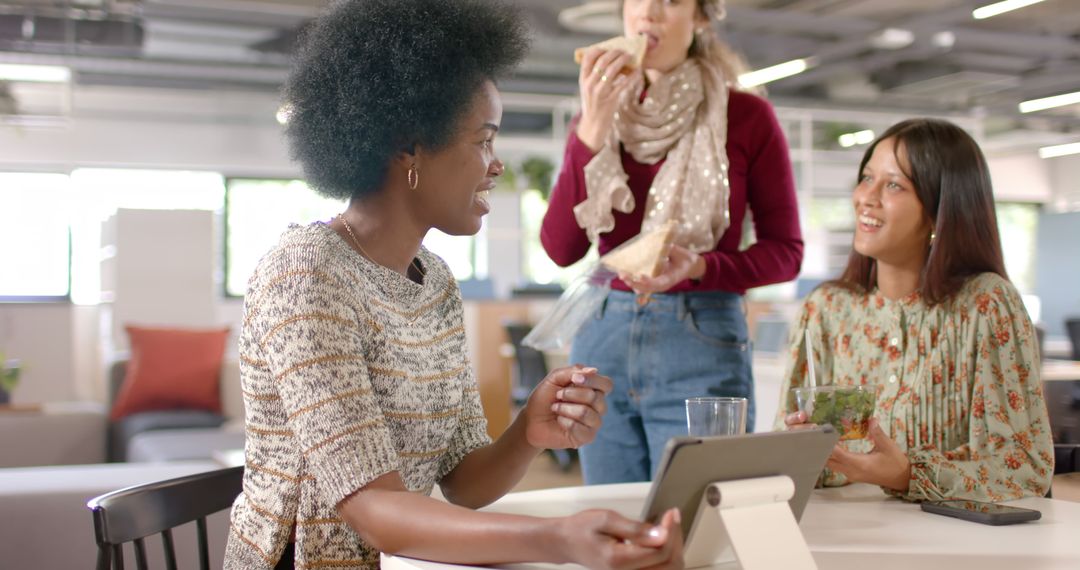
760, 178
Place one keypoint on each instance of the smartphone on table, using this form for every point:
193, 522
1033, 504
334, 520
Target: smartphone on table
980, 512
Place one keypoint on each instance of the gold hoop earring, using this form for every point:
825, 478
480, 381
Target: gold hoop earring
414, 177
721, 9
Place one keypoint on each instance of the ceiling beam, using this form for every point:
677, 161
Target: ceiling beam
1046, 46
999, 62
251, 13
267, 75
743, 18
876, 61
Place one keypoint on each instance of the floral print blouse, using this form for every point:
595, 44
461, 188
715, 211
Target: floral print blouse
958, 384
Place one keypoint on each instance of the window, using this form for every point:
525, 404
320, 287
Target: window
1018, 224
256, 213
34, 239
97, 194
831, 222
459, 252
537, 265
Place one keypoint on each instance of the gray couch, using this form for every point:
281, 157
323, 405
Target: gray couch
46, 525
123, 432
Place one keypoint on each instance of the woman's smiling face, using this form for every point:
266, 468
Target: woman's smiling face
891, 223
455, 181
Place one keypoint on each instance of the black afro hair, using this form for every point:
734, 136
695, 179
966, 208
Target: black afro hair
372, 78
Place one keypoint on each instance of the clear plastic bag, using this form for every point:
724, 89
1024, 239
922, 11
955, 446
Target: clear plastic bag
580, 301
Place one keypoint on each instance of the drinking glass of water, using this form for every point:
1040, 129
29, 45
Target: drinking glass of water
716, 416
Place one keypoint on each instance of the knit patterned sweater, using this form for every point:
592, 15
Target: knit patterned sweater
349, 371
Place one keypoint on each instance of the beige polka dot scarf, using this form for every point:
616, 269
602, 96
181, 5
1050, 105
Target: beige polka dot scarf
683, 117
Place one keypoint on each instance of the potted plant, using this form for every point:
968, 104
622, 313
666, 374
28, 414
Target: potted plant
9, 378
537, 171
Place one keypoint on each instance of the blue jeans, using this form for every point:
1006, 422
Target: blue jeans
677, 346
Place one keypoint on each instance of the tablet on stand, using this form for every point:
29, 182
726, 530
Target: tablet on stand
741, 496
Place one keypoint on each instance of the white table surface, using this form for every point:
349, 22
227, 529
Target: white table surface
854, 527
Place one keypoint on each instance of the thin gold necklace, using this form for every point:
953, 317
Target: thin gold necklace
356, 242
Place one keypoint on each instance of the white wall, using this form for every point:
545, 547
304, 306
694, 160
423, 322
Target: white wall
1065, 180
230, 149
163, 271
1058, 268
230, 132
1021, 177
42, 337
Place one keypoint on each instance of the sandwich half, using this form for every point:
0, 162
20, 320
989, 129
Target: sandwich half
633, 45
644, 256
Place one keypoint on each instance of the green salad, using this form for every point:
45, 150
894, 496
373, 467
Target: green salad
849, 411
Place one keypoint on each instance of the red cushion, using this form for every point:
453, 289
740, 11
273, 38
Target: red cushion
171, 369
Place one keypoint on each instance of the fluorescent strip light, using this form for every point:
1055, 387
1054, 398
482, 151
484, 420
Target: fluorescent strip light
892, 38
1050, 102
774, 72
849, 140
1059, 150
39, 73
991, 10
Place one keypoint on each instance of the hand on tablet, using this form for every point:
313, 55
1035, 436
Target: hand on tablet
605, 540
565, 409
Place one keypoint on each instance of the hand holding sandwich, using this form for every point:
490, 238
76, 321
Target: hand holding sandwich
653, 263
682, 264
604, 76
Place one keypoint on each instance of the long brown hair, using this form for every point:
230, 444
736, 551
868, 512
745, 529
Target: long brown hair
952, 182
708, 46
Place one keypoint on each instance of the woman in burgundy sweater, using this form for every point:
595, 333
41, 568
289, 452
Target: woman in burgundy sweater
674, 143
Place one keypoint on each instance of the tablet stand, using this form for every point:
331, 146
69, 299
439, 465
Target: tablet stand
748, 520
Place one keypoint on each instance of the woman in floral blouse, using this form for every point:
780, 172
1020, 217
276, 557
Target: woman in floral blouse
925, 313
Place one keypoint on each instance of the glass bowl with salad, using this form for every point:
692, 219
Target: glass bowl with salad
847, 408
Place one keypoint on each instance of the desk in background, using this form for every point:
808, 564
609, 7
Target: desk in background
1061, 387
1060, 370
485, 335
854, 527
57, 433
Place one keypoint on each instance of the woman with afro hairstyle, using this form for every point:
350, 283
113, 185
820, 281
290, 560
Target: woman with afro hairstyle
358, 394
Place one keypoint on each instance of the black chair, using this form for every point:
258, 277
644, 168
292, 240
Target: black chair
531, 368
537, 290
134, 513
1066, 458
1072, 326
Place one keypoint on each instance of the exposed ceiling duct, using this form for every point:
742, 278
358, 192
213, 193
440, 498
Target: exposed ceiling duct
57, 34
926, 55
